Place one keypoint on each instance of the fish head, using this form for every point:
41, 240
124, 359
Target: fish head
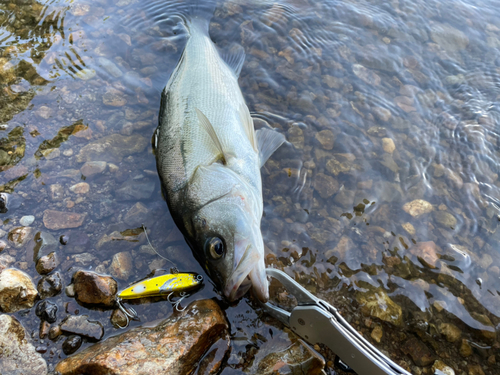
224, 232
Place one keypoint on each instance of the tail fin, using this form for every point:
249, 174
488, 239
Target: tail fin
199, 15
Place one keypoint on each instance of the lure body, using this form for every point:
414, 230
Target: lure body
161, 285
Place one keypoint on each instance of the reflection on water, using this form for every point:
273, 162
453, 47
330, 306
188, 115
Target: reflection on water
384, 202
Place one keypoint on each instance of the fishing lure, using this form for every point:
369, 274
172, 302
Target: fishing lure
169, 284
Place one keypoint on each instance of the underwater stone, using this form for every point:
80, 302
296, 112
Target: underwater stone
50, 286
80, 188
92, 168
46, 311
419, 352
379, 305
450, 331
326, 138
448, 38
325, 185
121, 266
47, 263
418, 207
80, 325
61, 220
388, 145
27, 220
71, 344
19, 236
112, 148
445, 219
92, 288
426, 252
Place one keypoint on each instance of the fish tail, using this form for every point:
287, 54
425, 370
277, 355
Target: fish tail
199, 15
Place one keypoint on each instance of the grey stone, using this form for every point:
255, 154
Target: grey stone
27, 220
135, 190
80, 325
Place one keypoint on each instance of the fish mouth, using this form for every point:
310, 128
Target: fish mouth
249, 273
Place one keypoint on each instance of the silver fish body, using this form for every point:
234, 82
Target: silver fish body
209, 163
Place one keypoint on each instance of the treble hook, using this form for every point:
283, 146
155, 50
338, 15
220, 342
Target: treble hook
130, 313
177, 303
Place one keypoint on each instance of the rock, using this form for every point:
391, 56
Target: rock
92, 168
47, 263
418, 207
135, 190
80, 188
382, 114
6, 261
295, 135
95, 289
112, 148
158, 349
44, 329
377, 333
56, 192
121, 266
450, 331
57, 220
326, 139
409, 228
426, 253
85, 74
118, 318
136, 215
70, 290
54, 332
50, 286
17, 354
17, 291
44, 112
71, 344
388, 145
332, 82
475, 370
46, 311
343, 247
325, 185
26, 221
114, 98
110, 67
448, 38
488, 333
117, 241
419, 352
19, 236
80, 325
445, 219
465, 349
377, 131
45, 243
441, 366
379, 305
366, 75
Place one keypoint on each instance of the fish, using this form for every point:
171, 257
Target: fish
208, 157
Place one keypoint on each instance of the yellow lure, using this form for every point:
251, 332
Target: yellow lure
161, 285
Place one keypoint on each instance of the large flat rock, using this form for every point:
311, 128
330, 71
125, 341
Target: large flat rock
176, 345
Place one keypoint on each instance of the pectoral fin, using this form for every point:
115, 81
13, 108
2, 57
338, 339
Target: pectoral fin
247, 122
205, 123
268, 141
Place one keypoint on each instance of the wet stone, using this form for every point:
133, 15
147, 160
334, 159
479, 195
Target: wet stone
448, 37
426, 252
54, 332
418, 207
325, 185
419, 352
71, 344
388, 145
17, 353
136, 215
377, 131
135, 189
80, 325
366, 75
382, 114
92, 288
17, 291
379, 305
57, 220
326, 138
441, 366
44, 329
45, 243
450, 331
46, 311
118, 318
112, 148
488, 333
19, 236
158, 350
27, 220
121, 266
56, 192
295, 135
377, 333
85, 74
47, 263
110, 67
92, 168
80, 188
49, 286
445, 219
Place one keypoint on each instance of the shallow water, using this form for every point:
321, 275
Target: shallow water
382, 103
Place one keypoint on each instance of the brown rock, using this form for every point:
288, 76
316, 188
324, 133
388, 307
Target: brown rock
426, 253
465, 349
121, 266
377, 333
80, 188
92, 168
174, 346
137, 214
61, 220
488, 333
326, 139
379, 305
47, 263
420, 353
17, 353
114, 98
92, 288
417, 207
475, 370
17, 291
325, 185
450, 331
388, 145
19, 236
383, 114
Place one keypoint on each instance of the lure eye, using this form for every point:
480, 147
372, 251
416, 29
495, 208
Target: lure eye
215, 247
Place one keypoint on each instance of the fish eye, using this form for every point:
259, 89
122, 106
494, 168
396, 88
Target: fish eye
215, 247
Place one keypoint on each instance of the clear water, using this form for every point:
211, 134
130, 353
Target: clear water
339, 78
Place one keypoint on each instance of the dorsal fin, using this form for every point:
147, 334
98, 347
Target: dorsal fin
205, 123
247, 122
268, 141
234, 57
